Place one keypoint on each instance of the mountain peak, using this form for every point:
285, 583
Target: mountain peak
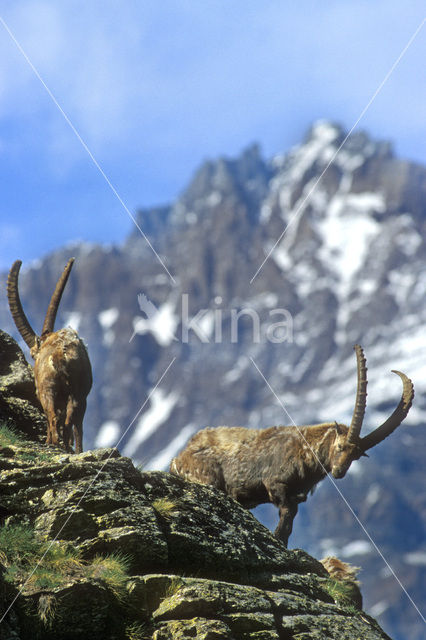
325, 130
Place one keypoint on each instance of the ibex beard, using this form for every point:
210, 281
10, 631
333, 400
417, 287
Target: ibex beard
282, 464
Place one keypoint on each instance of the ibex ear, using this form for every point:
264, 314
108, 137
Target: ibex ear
339, 429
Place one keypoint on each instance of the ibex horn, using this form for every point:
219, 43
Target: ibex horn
52, 310
361, 397
15, 306
395, 419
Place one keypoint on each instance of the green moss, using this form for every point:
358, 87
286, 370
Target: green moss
36, 456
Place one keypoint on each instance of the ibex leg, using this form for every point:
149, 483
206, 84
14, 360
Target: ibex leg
278, 495
285, 525
69, 419
78, 426
52, 425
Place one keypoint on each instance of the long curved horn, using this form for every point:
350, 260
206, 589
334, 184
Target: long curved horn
395, 419
361, 397
52, 310
15, 306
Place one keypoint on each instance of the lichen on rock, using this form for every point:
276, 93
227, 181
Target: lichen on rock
155, 557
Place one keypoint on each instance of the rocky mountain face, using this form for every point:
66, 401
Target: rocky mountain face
207, 332
92, 547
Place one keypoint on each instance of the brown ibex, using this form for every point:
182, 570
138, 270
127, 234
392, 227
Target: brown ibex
282, 465
62, 371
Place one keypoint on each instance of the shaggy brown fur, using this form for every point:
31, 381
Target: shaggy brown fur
279, 465
63, 380
62, 371
282, 465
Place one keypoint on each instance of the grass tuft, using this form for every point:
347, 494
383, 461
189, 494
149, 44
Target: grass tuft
113, 570
341, 591
32, 564
46, 608
165, 507
18, 545
135, 631
174, 586
9, 437
36, 563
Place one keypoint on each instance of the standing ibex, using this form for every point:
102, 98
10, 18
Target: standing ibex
283, 464
62, 371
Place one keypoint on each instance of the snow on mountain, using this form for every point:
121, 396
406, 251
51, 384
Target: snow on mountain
350, 267
159, 410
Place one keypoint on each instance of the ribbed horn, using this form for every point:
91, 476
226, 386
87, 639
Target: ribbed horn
52, 310
395, 419
15, 306
361, 397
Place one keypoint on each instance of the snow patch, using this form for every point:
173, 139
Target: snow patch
160, 409
235, 374
108, 434
328, 547
401, 284
162, 324
373, 495
357, 548
73, 319
207, 323
265, 213
108, 317
214, 198
191, 217
356, 468
346, 233
162, 460
270, 300
281, 257
367, 287
323, 134
379, 608
407, 238
417, 558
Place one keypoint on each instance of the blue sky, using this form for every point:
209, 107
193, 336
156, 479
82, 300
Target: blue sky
154, 88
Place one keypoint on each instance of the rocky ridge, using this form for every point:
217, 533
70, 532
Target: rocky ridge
350, 268
197, 564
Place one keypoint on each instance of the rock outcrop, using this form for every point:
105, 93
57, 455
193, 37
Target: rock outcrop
18, 401
197, 565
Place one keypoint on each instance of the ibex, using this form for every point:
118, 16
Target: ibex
282, 465
62, 371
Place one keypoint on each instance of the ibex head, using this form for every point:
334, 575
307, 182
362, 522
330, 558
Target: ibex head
348, 445
32, 340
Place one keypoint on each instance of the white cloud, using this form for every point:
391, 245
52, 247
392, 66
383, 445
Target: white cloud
154, 88
152, 75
